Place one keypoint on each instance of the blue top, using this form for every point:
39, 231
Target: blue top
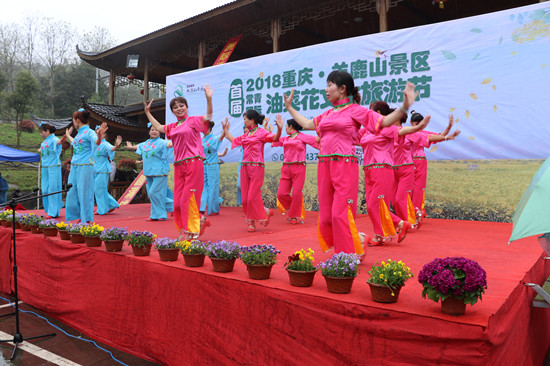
211, 144
102, 157
83, 145
155, 155
50, 151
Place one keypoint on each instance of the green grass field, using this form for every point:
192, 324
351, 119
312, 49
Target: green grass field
487, 190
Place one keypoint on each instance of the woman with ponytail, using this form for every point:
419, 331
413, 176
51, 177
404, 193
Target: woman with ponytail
252, 166
188, 166
50, 150
80, 198
338, 173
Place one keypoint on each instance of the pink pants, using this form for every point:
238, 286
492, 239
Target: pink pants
188, 179
338, 183
379, 184
420, 178
293, 177
252, 179
404, 184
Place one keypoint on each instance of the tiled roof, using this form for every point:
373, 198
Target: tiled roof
57, 123
114, 113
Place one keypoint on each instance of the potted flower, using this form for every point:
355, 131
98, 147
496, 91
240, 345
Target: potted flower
18, 220
23, 222
6, 217
193, 252
49, 227
141, 242
300, 268
91, 234
74, 232
33, 221
223, 255
168, 251
457, 281
340, 271
259, 260
386, 280
62, 228
113, 238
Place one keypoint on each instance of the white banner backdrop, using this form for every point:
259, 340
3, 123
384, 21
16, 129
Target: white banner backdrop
492, 72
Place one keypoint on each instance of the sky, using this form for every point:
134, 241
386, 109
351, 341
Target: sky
125, 20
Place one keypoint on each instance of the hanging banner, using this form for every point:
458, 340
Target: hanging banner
131, 191
490, 71
227, 50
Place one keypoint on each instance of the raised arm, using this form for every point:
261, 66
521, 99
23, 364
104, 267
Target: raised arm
156, 124
279, 122
225, 127
209, 110
62, 140
448, 129
222, 134
439, 138
307, 124
118, 141
409, 96
407, 130
129, 146
101, 132
68, 132
223, 153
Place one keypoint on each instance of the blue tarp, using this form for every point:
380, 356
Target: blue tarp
17, 156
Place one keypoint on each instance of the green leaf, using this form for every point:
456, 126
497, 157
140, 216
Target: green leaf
449, 55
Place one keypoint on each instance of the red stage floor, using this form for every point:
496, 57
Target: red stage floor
227, 318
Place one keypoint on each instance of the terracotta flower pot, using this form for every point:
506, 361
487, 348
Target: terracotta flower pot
453, 306
35, 229
25, 228
339, 285
63, 234
193, 260
6, 223
301, 278
169, 255
222, 265
141, 251
381, 293
49, 231
18, 225
113, 245
77, 238
259, 271
92, 241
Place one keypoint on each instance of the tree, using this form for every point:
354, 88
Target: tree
10, 51
22, 97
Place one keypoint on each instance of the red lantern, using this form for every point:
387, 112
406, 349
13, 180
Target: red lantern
141, 92
130, 76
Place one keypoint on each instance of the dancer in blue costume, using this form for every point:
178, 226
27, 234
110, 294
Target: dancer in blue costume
210, 199
101, 160
50, 150
80, 198
156, 154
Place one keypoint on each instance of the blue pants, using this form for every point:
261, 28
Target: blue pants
210, 199
80, 198
239, 197
156, 190
51, 182
105, 202
169, 200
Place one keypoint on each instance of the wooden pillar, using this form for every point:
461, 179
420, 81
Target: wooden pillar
202, 53
275, 33
382, 7
111, 87
146, 81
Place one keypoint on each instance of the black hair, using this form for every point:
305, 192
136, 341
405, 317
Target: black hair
211, 124
343, 78
178, 99
47, 127
416, 117
381, 106
82, 116
292, 123
254, 115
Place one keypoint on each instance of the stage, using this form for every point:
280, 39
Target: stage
174, 315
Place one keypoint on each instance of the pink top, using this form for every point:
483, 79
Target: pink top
187, 137
404, 147
379, 148
338, 129
253, 144
295, 147
418, 149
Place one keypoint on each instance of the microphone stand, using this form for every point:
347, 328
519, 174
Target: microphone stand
18, 338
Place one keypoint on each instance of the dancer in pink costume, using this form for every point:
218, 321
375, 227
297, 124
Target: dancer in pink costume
188, 163
338, 173
421, 164
293, 171
379, 177
252, 165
